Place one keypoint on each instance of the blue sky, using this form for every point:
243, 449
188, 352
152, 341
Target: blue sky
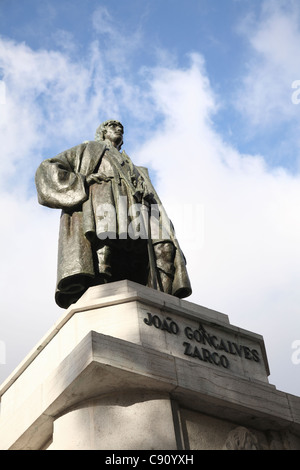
146, 33
204, 90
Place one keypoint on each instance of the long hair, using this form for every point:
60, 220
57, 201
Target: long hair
101, 130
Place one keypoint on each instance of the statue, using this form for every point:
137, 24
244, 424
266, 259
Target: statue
113, 225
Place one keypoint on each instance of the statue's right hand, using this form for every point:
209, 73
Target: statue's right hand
96, 178
91, 178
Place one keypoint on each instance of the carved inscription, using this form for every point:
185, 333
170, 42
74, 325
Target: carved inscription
201, 344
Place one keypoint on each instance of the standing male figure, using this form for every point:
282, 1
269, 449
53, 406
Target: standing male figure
105, 232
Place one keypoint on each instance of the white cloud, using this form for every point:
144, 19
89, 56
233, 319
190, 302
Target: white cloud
27, 277
117, 43
248, 263
272, 66
51, 101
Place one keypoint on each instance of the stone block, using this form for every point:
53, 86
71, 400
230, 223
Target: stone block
157, 373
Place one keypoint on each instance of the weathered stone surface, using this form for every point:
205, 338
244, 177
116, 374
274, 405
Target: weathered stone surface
106, 351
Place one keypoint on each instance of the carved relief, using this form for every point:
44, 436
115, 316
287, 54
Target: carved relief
241, 438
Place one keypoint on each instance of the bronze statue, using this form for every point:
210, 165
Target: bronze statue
113, 225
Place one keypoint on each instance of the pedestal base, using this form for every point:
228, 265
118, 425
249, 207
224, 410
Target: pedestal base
127, 367
134, 420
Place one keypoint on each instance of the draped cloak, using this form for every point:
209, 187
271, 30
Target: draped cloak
61, 183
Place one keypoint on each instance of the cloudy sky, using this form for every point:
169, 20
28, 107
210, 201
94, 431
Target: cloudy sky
208, 92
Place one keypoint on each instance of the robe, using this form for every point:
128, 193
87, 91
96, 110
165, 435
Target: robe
62, 183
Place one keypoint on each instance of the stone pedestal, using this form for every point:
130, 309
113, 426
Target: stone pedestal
132, 420
127, 367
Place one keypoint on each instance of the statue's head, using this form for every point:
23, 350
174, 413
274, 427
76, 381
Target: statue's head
111, 130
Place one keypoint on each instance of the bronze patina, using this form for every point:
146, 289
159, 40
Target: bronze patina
113, 225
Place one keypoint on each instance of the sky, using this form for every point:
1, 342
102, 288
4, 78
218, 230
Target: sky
208, 92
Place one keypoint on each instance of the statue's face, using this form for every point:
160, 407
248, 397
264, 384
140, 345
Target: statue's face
114, 133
